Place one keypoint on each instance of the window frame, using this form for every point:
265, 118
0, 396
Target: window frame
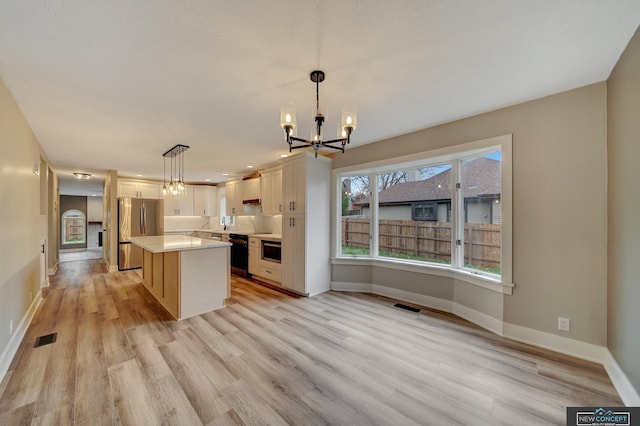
454, 155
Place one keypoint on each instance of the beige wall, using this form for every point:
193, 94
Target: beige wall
623, 313
559, 207
21, 226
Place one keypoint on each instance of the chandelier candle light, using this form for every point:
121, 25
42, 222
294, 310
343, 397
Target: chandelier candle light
176, 185
288, 123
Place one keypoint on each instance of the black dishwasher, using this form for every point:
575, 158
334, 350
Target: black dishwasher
239, 254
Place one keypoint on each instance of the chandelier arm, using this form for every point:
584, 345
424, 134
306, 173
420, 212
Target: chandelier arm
297, 139
339, 148
342, 140
299, 146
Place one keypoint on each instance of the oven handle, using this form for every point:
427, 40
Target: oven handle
239, 242
271, 244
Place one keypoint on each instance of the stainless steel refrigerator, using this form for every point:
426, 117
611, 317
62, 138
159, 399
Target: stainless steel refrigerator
137, 217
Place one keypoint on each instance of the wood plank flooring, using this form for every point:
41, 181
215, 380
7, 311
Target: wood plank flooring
272, 358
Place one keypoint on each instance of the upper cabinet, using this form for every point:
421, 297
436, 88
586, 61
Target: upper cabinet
233, 197
271, 183
251, 189
139, 189
294, 182
179, 205
205, 201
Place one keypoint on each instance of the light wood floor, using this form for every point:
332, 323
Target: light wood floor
270, 358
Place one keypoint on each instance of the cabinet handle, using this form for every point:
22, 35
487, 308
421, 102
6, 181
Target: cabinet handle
280, 208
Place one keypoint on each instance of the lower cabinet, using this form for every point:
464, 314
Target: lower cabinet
254, 256
161, 276
293, 253
261, 269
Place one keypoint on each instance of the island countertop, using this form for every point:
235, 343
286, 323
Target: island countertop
166, 243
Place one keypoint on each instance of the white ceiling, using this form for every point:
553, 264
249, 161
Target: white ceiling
112, 85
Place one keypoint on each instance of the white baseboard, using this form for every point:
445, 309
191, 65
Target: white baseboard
19, 333
564, 345
408, 296
345, 286
485, 321
625, 389
111, 268
52, 271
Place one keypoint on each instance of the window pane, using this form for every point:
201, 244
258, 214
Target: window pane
356, 212
73, 227
414, 214
482, 213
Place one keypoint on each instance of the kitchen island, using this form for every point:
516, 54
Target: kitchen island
187, 275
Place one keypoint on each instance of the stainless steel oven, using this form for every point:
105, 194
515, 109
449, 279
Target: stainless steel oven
272, 251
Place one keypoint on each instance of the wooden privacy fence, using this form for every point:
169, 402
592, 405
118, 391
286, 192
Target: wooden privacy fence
427, 240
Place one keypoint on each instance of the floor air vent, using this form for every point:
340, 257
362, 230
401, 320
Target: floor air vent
408, 308
46, 339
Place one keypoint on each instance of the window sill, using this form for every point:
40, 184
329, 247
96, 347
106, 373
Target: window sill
489, 283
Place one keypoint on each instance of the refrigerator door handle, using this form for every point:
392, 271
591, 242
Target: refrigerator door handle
141, 221
144, 220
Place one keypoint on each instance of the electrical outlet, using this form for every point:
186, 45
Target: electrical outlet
10, 327
564, 324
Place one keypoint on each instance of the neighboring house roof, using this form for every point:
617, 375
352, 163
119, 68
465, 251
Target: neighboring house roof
481, 178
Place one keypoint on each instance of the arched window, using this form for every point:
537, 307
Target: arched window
73, 227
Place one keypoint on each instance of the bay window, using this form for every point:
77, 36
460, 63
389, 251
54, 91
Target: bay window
443, 208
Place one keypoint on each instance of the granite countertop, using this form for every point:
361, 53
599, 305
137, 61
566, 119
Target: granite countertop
164, 243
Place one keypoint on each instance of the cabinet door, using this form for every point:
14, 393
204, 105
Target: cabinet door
267, 194
277, 192
184, 202
205, 200
170, 206
293, 253
127, 189
254, 255
233, 197
294, 184
149, 190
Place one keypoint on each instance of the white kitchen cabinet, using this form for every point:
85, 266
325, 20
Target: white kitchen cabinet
293, 253
294, 182
272, 191
205, 201
254, 255
179, 205
251, 189
139, 189
305, 266
233, 197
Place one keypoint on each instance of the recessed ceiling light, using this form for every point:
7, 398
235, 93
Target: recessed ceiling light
249, 167
139, 175
94, 195
284, 155
225, 174
207, 180
79, 175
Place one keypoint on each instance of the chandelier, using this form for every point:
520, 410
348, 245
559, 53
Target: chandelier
176, 184
316, 141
